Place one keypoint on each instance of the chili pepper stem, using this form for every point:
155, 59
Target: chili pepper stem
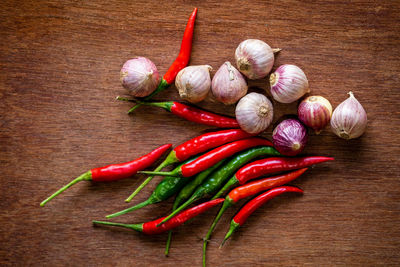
87, 176
136, 207
231, 182
167, 246
136, 227
165, 105
161, 86
160, 173
169, 160
227, 203
230, 232
182, 207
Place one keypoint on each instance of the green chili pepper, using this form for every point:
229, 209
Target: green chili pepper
217, 179
187, 191
168, 187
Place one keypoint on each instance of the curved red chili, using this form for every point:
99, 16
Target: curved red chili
115, 172
267, 166
184, 53
193, 147
180, 62
257, 186
213, 157
150, 228
240, 218
247, 190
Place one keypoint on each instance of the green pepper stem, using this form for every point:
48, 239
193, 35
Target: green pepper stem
227, 203
136, 227
168, 245
232, 229
231, 182
120, 98
173, 173
136, 207
192, 199
204, 252
168, 161
161, 87
87, 176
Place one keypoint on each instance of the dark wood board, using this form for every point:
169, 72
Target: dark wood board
59, 75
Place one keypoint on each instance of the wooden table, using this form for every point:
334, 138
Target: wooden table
59, 77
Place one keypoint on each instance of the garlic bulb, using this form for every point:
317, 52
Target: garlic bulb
228, 85
254, 58
288, 83
349, 119
254, 113
290, 137
315, 112
139, 76
194, 82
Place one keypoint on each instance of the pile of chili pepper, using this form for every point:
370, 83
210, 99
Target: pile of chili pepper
226, 163
210, 164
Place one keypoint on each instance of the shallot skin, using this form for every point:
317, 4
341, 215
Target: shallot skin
254, 58
139, 76
228, 84
315, 112
349, 119
290, 137
288, 83
194, 83
254, 113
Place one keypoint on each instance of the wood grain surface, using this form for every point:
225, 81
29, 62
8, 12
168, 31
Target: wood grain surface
59, 75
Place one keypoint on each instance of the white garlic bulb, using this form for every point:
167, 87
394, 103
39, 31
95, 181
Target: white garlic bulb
349, 119
254, 113
288, 83
228, 85
194, 82
254, 58
139, 76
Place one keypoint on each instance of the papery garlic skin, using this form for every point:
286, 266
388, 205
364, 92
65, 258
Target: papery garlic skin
139, 76
228, 84
288, 83
194, 83
254, 113
254, 58
349, 119
315, 112
290, 137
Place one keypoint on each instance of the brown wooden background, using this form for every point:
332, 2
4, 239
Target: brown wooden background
59, 75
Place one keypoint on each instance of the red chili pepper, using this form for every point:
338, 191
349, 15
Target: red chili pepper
247, 190
191, 113
115, 172
240, 218
256, 187
180, 62
267, 166
213, 157
184, 54
193, 147
150, 228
